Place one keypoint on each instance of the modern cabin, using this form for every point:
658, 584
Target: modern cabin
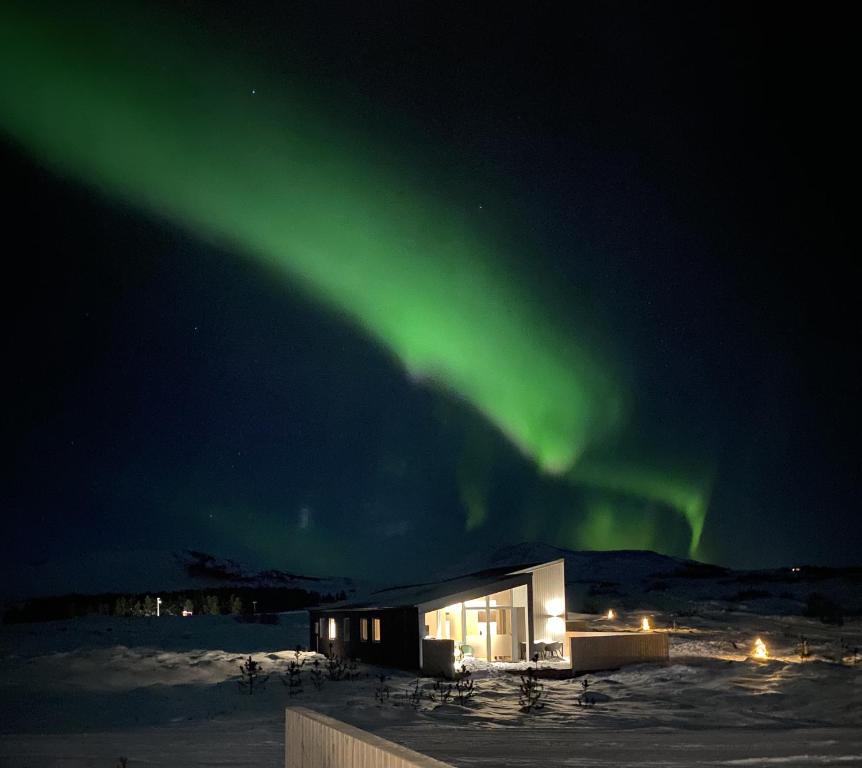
499, 614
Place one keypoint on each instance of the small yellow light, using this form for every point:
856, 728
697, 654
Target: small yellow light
611, 614
645, 627
760, 651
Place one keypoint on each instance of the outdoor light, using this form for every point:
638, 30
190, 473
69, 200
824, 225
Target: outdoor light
555, 606
158, 606
611, 614
760, 651
645, 627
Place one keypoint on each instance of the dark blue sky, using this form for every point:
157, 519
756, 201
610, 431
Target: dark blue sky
686, 172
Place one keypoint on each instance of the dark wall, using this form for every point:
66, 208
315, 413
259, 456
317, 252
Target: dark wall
399, 636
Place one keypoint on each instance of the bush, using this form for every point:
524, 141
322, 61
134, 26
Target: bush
251, 676
316, 675
585, 698
530, 691
464, 688
441, 692
381, 690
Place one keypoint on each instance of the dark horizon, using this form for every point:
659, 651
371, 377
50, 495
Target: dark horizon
648, 211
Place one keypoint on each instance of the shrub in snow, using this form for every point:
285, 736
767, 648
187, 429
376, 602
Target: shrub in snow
413, 695
251, 676
464, 688
530, 691
316, 675
441, 692
381, 690
803, 649
585, 699
293, 678
335, 669
351, 670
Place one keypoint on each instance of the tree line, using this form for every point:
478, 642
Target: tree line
241, 601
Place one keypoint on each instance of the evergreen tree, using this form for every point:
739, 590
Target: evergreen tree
251, 676
530, 691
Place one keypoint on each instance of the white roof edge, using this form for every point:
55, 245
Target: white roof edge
539, 565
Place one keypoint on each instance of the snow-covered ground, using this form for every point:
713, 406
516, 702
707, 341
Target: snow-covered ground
163, 692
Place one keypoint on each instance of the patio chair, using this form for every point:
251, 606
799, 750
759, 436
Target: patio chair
466, 650
540, 648
554, 649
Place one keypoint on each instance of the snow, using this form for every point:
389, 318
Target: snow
163, 692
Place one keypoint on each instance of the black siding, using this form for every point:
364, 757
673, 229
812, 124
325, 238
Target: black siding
399, 636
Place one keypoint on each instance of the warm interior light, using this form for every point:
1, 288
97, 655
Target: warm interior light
645, 624
760, 651
611, 614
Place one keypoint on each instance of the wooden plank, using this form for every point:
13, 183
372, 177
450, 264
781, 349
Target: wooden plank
609, 651
313, 740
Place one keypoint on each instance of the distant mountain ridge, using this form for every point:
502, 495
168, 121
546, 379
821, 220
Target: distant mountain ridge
145, 570
597, 581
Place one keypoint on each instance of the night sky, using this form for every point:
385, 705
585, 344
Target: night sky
348, 288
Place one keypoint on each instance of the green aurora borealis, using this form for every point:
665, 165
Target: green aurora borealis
170, 125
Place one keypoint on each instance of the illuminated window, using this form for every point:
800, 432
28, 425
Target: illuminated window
363, 630
346, 629
331, 629
376, 630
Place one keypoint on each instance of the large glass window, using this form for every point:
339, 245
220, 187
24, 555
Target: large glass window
331, 635
482, 627
363, 630
376, 629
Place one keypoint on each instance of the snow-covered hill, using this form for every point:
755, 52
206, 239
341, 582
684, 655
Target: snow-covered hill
140, 571
635, 579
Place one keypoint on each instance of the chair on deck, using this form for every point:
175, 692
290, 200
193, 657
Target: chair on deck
539, 649
554, 649
465, 650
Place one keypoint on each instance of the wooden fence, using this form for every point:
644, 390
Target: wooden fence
312, 740
609, 650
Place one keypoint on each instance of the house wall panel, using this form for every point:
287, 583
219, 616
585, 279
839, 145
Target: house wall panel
399, 645
549, 604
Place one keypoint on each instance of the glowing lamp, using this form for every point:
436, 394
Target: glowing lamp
760, 651
556, 625
611, 614
645, 627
